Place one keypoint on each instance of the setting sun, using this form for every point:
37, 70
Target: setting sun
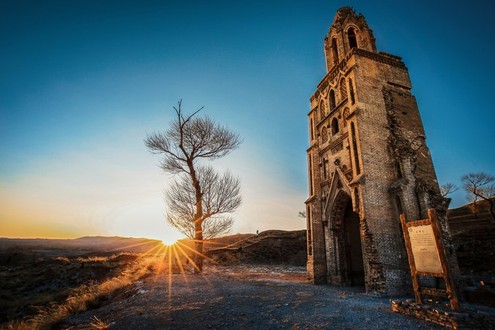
169, 237
168, 241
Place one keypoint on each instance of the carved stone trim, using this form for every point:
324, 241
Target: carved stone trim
381, 57
335, 143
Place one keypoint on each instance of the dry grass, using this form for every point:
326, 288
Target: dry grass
98, 324
105, 278
84, 296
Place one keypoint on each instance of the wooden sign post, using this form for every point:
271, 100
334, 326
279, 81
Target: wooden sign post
427, 257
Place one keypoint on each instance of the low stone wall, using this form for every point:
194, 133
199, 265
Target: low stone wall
463, 319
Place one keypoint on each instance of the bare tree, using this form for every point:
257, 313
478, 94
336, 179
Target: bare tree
480, 185
199, 196
221, 195
447, 189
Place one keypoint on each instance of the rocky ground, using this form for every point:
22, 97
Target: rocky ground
250, 282
242, 297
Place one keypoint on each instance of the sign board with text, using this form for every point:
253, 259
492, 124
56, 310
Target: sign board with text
427, 257
424, 249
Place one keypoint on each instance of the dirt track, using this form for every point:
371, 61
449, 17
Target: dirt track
244, 297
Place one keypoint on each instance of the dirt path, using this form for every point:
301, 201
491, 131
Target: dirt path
244, 297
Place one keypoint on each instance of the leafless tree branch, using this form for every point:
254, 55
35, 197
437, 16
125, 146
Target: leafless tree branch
480, 185
447, 189
221, 195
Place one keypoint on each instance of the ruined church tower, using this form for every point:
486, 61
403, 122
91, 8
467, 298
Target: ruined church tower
367, 164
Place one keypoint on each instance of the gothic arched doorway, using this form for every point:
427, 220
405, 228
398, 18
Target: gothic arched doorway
353, 253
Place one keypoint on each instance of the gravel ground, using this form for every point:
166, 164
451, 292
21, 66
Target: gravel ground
244, 297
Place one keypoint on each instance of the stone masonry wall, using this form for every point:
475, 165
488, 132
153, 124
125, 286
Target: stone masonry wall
379, 169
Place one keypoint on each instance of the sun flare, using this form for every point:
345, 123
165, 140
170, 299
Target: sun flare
169, 241
170, 237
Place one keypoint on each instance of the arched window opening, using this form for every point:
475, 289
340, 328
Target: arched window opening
310, 165
322, 110
354, 149
325, 169
324, 134
335, 52
335, 126
332, 100
343, 89
351, 91
311, 129
351, 35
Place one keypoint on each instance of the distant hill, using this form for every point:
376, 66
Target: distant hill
67, 247
272, 246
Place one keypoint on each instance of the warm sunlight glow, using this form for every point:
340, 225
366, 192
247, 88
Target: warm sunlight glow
169, 237
169, 241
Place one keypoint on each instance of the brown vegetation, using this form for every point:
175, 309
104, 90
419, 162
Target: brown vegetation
44, 281
250, 281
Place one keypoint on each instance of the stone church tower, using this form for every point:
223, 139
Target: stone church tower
367, 163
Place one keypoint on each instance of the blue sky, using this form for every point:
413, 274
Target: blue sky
83, 82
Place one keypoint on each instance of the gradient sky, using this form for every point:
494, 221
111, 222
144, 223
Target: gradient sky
83, 82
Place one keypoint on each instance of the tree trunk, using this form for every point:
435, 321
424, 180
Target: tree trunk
198, 244
198, 222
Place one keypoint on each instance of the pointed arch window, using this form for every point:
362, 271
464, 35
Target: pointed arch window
310, 165
351, 35
354, 149
324, 134
343, 89
311, 128
335, 126
335, 52
332, 100
322, 110
351, 92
